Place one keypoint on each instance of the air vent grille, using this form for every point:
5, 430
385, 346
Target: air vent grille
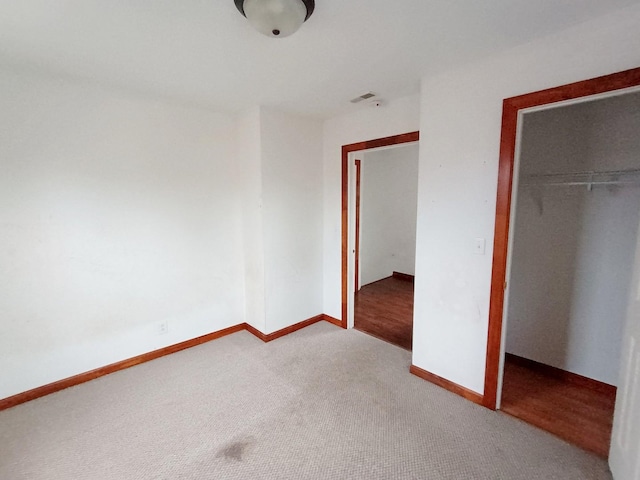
366, 96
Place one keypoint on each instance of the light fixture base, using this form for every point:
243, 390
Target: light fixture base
310, 4
276, 18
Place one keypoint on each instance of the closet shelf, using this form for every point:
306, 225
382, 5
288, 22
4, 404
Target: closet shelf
588, 179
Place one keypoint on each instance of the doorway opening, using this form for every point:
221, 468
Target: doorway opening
566, 228
386, 198
372, 236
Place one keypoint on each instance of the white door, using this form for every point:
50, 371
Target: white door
624, 457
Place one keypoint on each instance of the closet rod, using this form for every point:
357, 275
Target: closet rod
631, 171
606, 173
581, 183
588, 179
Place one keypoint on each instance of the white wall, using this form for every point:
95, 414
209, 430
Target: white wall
543, 273
547, 231
249, 158
396, 117
460, 134
603, 271
388, 204
116, 213
292, 217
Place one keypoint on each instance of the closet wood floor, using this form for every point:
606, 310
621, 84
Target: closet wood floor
384, 309
578, 414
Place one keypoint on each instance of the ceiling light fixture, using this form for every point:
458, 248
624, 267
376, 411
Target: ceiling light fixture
276, 18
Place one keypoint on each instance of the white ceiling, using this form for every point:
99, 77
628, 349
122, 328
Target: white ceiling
204, 51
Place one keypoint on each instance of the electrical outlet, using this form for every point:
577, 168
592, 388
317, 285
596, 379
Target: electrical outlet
163, 328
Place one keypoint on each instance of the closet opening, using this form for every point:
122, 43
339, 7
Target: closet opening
572, 249
567, 221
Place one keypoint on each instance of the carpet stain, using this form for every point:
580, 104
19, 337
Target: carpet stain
236, 451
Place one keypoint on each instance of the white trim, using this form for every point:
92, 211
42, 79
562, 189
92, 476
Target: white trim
576, 101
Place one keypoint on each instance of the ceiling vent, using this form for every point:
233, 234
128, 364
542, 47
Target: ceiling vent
366, 96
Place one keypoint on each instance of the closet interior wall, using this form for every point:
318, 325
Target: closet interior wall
573, 246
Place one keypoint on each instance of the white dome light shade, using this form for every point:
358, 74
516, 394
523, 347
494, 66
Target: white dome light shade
276, 18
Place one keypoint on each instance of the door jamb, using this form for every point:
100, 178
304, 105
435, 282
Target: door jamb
357, 232
346, 150
511, 109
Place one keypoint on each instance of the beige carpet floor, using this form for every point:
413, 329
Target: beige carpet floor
322, 403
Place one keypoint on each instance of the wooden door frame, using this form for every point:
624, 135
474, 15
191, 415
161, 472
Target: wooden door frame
346, 150
356, 274
510, 113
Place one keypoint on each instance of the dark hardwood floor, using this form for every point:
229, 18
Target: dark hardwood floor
579, 414
384, 309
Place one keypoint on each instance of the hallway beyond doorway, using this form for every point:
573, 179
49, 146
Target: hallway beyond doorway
384, 309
